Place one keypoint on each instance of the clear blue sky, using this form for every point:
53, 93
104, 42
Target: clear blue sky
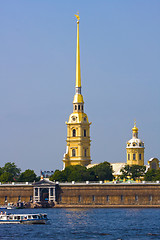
120, 67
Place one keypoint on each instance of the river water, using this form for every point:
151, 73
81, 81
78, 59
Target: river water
81, 223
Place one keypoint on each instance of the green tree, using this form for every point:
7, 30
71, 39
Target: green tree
79, 173
126, 172
27, 176
76, 173
134, 171
137, 171
71, 173
103, 171
6, 177
1, 171
12, 169
152, 175
58, 176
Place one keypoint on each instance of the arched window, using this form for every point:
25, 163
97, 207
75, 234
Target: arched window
74, 132
75, 107
79, 107
82, 107
73, 152
85, 133
128, 156
134, 156
140, 156
85, 152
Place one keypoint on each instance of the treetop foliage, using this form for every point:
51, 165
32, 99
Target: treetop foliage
10, 173
77, 173
134, 171
152, 175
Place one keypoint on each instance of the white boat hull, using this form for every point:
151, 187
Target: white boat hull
23, 218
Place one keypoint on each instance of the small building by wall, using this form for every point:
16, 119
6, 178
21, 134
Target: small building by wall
153, 163
44, 191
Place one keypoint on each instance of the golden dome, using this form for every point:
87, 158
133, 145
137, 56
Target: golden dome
135, 129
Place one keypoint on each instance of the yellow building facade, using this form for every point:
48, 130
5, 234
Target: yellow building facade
135, 149
78, 126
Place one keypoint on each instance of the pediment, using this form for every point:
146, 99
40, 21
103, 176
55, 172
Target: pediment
44, 183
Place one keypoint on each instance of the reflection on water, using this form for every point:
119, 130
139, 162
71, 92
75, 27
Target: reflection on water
76, 216
82, 223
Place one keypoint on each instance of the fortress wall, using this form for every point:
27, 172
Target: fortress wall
109, 194
90, 195
12, 192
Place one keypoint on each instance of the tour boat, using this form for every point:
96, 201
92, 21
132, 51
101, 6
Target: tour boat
39, 218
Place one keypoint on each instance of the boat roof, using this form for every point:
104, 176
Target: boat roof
35, 214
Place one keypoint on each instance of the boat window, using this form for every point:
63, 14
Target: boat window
18, 217
15, 217
21, 217
10, 218
34, 216
29, 216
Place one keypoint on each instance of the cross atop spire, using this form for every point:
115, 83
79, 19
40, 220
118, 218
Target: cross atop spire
135, 130
77, 16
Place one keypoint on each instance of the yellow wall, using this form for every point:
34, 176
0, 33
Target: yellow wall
135, 151
79, 142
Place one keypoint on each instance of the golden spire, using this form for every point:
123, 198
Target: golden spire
78, 69
78, 98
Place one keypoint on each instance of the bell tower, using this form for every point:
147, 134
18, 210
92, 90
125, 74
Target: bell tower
135, 149
78, 126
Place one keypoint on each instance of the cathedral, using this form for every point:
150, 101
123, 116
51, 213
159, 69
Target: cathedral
78, 126
78, 133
